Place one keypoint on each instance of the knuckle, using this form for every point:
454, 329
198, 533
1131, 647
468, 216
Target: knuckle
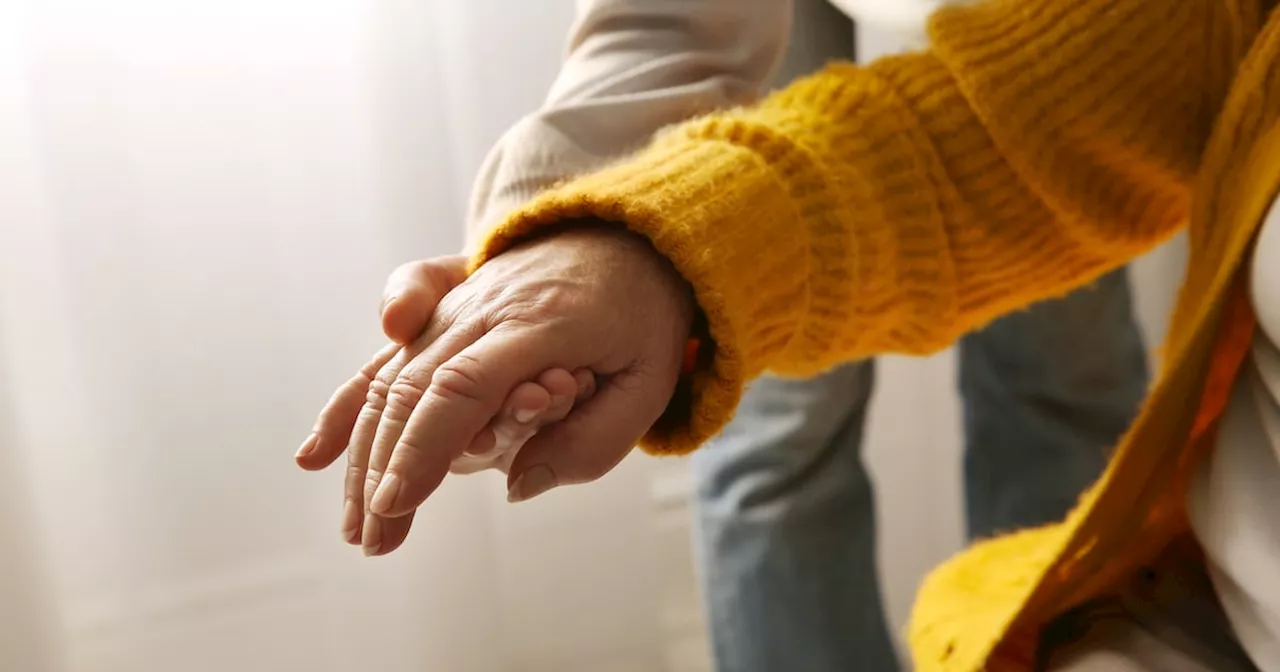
388, 372
459, 380
408, 455
371, 481
403, 396
369, 417
354, 477
376, 395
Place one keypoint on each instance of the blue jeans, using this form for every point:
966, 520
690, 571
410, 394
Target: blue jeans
786, 522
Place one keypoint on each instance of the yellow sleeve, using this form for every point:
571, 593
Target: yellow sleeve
892, 208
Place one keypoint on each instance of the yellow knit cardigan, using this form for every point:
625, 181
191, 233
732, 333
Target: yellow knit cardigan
892, 208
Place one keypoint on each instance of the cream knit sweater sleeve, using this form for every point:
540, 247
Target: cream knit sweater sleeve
633, 67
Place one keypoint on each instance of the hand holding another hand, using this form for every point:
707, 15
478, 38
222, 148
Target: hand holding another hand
498, 347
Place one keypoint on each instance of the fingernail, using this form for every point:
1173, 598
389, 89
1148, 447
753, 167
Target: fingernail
524, 415
385, 496
533, 482
351, 522
372, 536
307, 446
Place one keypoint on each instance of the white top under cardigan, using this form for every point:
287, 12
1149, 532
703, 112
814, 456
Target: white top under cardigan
1235, 500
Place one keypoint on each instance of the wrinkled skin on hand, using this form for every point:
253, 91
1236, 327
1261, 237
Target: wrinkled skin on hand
598, 302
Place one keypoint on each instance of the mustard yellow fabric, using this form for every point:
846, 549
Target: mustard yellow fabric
893, 208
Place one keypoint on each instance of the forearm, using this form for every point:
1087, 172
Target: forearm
895, 207
633, 67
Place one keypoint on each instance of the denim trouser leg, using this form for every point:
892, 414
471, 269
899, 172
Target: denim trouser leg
786, 531
786, 534
1047, 392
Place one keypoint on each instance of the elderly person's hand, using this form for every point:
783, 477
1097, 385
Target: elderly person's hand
594, 299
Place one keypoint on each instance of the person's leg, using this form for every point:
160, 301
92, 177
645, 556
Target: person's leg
1047, 392
786, 531
785, 521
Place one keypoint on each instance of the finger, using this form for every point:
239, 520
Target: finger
333, 426
527, 403
512, 429
504, 463
587, 444
384, 535
361, 443
427, 377
466, 389
563, 388
585, 384
531, 406
515, 423
412, 292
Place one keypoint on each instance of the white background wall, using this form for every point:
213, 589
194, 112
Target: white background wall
198, 204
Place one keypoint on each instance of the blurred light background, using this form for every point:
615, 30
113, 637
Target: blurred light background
199, 201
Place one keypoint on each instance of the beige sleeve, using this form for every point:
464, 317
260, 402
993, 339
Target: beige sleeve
633, 67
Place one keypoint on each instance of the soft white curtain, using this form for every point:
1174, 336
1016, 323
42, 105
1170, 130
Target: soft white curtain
198, 203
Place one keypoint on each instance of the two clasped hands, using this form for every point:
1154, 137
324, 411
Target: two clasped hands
567, 347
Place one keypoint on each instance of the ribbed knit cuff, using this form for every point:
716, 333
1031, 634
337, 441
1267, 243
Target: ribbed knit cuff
725, 220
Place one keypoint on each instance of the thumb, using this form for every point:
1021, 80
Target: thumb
412, 292
592, 440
